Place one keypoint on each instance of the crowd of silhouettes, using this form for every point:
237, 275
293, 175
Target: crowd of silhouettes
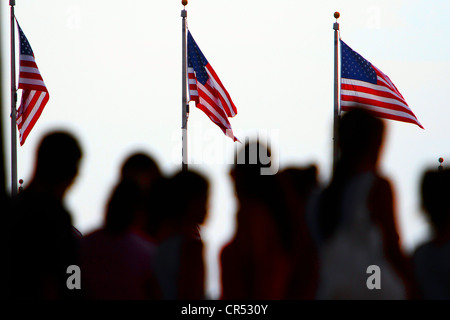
296, 238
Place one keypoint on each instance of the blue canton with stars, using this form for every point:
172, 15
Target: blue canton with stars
197, 60
354, 66
25, 47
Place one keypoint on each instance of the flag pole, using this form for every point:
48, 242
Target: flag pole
12, 3
185, 106
336, 92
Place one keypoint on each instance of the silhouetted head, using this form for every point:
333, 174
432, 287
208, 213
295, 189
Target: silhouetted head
189, 190
360, 136
58, 158
251, 169
123, 206
177, 202
141, 168
435, 188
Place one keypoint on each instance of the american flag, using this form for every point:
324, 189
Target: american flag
34, 93
206, 89
364, 85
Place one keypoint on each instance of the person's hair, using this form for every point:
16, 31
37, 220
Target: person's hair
58, 157
188, 187
248, 164
122, 206
170, 198
138, 162
360, 134
435, 188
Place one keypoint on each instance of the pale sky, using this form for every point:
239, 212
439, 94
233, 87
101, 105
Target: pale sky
113, 71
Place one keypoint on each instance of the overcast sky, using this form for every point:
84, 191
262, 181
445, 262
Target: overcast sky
113, 71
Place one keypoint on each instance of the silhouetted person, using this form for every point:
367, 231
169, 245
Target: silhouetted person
298, 186
41, 239
180, 204
143, 170
255, 264
432, 259
357, 219
117, 259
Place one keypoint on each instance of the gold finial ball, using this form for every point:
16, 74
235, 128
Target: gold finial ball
337, 15
184, 2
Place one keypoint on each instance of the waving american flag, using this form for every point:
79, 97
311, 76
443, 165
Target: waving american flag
34, 93
206, 89
364, 85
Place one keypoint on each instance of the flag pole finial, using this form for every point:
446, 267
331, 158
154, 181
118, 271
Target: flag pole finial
336, 24
20, 185
441, 160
